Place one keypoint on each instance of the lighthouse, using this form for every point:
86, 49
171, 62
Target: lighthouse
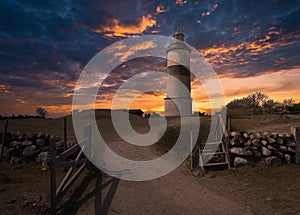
178, 100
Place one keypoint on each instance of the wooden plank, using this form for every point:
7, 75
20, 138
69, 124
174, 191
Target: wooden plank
212, 153
68, 152
70, 163
215, 164
70, 182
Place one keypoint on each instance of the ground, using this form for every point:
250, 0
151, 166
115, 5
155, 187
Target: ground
258, 190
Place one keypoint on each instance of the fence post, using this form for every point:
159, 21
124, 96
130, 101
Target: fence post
88, 134
296, 134
53, 178
3, 139
65, 133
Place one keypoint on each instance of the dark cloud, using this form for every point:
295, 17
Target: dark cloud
47, 42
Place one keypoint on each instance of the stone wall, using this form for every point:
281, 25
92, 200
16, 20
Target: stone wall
20, 147
251, 148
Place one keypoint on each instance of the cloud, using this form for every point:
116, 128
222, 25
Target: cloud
181, 2
114, 28
160, 9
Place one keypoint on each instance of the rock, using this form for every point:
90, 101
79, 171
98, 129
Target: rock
15, 143
239, 162
278, 154
41, 142
258, 135
246, 135
287, 158
27, 143
273, 135
271, 140
31, 136
43, 157
256, 142
271, 148
235, 134
256, 154
236, 142
266, 134
273, 161
14, 151
16, 160
197, 173
249, 143
251, 136
266, 152
279, 141
283, 148
241, 151
19, 136
291, 143
30, 151
41, 135
264, 142
290, 149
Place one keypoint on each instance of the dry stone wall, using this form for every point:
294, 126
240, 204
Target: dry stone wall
248, 149
20, 147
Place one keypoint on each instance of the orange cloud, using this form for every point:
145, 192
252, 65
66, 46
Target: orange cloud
219, 55
114, 28
4, 88
181, 2
160, 9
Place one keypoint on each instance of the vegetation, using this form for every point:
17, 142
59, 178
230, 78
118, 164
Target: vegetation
260, 103
41, 112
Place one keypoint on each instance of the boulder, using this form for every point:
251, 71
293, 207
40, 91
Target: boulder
256, 154
30, 151
273, 135
27, 143
256, 142
266, 152
273, 161
251, 136
283, 148
41, 142
290, 149
246, 135
287, 158
271, 140
41, 135
31, 136
43, 157
279, 141
239, 162
272, 148
16, 160
249, 143
241, 151
291, 143
264, 142
258, 135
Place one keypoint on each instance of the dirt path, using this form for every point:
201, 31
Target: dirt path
175, 193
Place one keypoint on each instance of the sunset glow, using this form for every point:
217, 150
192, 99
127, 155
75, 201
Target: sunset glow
253, 47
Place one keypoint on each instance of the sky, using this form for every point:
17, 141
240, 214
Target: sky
252, 45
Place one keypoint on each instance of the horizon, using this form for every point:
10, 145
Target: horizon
253, 47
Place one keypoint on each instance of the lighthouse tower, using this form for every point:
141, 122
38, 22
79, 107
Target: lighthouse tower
178, 101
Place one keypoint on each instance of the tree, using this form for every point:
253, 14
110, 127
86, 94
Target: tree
41, 112
288, 102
